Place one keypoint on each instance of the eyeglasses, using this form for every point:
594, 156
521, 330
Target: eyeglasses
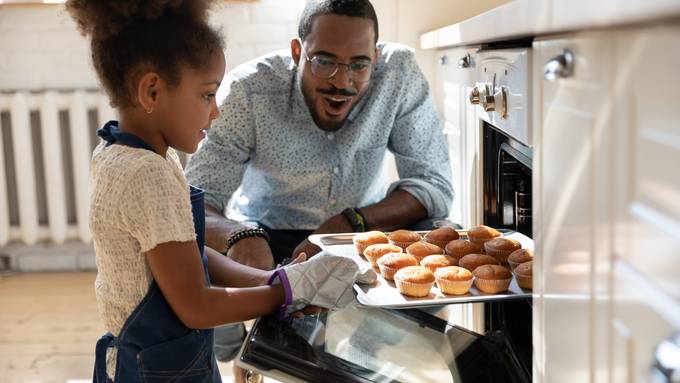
325, 67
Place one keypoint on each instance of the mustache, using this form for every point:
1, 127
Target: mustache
338, 92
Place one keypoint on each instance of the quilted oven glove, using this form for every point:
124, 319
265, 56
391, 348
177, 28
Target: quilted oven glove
324, 281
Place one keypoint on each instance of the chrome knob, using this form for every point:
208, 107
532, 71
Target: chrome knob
464, 61
475, 96
666, 367
498, 102
560, 66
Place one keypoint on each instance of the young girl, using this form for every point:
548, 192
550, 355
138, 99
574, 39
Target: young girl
156, 287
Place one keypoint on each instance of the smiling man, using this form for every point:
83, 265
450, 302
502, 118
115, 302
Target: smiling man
300, 145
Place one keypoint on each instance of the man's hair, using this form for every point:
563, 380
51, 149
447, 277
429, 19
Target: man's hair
351, 8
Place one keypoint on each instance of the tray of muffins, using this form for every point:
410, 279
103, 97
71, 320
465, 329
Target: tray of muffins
438, 267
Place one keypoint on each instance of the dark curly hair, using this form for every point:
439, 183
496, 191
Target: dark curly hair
128, 35
352, 8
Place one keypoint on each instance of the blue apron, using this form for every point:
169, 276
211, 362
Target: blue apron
154, 345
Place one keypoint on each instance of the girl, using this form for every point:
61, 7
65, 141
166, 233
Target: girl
157, 286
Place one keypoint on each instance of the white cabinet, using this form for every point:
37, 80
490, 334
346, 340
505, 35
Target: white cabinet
607, 204
455, 78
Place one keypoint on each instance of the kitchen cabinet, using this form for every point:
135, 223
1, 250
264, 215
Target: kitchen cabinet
607, 202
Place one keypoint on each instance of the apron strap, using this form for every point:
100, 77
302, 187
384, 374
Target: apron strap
111, 134
103, 344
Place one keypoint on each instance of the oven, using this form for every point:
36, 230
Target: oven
416, 345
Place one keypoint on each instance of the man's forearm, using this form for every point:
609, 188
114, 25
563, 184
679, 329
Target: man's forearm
398, 210
218, 228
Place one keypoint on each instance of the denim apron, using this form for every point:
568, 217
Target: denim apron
154, 345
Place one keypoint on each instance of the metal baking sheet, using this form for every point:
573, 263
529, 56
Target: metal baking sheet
385, 294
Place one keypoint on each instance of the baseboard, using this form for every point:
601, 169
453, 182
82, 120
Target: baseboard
73, 256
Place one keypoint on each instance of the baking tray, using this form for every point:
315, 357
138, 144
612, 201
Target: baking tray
385, 294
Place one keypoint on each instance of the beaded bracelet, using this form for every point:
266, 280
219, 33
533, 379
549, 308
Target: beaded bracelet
246, 233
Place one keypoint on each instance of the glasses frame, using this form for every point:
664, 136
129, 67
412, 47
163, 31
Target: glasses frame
337, 68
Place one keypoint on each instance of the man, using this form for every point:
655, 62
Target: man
302, 138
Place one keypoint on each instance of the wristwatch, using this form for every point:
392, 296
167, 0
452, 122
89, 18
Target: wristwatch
245, 233
355, 219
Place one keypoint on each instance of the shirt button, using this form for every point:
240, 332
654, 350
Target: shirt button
336, 170
330, 136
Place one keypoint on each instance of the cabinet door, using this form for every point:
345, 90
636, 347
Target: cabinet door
646, 169
454, 80
571, 216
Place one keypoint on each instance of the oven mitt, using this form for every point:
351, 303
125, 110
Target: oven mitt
366, 276
324, 281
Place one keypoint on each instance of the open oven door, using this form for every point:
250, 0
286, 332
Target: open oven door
377, 345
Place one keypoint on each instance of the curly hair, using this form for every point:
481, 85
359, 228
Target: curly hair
353, 8
162, 35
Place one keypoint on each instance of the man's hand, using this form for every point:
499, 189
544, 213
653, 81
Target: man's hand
307, 248
253, 252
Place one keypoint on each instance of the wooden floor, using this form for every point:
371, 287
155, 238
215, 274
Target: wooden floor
49, 326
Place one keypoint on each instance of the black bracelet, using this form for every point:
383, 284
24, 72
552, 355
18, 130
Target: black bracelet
246, 233
355, 219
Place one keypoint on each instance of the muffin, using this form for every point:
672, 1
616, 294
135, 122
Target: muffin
520, 256
414, 281
433, 262
403, 238
421, 250
363, 240
453, 280
500, 248
481, 234
524, 275
390, 263
442, 236
492, 279
460, 247
374, 252
473, 261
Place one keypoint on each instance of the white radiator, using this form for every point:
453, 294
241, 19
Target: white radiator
47, 140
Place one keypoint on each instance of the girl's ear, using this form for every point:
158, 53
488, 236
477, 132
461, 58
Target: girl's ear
147, 91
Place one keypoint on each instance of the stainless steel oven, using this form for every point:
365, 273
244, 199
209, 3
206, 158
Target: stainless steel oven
428, 344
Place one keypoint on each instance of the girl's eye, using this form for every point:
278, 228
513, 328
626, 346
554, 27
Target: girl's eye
209, 96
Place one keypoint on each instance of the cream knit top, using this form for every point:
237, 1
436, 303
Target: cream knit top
138, 201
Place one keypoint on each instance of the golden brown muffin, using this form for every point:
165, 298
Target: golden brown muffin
421, 250
374, 252
473, 261
433, 262
390, 263
524, 273
481, 234
460, 247
403, 238
520, 256
414, 281
363, 240
492, 279
500, 248
442, 236
453, 280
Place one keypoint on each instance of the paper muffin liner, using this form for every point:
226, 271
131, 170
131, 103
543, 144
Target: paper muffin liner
416, 290
373, 260
513, 264
454, 287
387, 272
500, 255
524, 281
492, 286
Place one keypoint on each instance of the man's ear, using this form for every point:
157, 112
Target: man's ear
147, 91
377, 54
296, 50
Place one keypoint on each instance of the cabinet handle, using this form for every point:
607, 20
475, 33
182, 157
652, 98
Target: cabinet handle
443, 60
464, 61
666, 367
560, 66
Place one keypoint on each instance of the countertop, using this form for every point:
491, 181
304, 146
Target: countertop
531, 18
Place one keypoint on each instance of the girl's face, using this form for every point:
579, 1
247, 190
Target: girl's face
191, 106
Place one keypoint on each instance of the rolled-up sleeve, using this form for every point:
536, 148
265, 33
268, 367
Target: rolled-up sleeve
220, 162
419, 146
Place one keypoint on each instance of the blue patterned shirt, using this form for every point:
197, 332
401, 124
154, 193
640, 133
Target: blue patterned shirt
283, 171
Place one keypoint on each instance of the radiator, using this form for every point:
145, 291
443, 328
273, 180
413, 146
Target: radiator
47, 140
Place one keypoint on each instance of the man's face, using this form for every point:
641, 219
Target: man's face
341, 39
